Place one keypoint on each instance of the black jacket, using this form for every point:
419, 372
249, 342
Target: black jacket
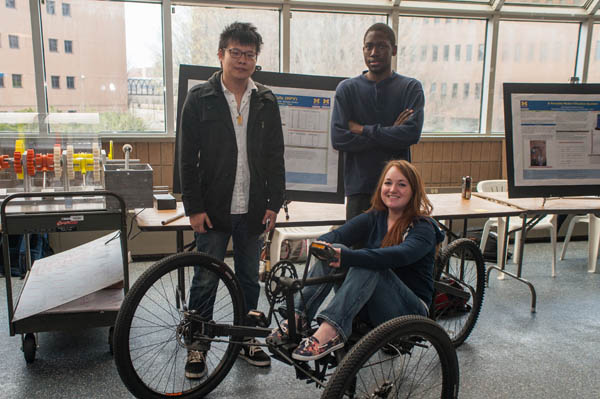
208, 155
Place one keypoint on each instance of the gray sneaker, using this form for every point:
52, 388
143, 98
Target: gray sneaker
195, 367
253, 354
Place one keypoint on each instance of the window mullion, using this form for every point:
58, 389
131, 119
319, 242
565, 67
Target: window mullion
39, 68
489, 74
168, 68
584, 50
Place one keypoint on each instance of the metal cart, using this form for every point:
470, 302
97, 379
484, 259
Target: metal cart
79, 288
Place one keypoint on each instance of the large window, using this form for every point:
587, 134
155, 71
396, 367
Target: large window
196, 32
321, 52
129, 45
540, 66
107, 56
18, 104
594, 69
443, 113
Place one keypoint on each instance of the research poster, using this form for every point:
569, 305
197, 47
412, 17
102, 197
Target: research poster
556, 139
311, 163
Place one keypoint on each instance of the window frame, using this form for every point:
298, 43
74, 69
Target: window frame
586, 16
55, 81
53, 45
13, 42
18, 78
51, 7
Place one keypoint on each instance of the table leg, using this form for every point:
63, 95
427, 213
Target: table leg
500, 266
502, 244
521, 245
180, 276
593, 242
179, 241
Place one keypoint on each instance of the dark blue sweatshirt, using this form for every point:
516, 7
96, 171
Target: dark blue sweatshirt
412, 260
375, 106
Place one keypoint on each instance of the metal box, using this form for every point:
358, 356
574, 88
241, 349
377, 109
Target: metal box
133, 184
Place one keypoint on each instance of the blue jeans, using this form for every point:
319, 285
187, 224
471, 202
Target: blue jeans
378, 295
245, 259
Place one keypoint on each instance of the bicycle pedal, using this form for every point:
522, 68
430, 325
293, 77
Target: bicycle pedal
258, 318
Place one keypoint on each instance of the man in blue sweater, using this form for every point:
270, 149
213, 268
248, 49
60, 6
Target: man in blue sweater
377, 116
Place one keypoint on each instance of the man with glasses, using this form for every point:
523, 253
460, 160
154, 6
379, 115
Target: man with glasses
377, 116
232, 175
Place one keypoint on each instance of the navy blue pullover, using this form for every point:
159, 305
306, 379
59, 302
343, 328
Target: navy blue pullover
412, 260
375, 106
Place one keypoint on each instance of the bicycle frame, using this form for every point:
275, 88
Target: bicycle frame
289, 287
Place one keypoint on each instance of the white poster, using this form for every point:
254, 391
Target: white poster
556, 139
310, 160
311, 163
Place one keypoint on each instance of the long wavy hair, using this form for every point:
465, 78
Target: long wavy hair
418, 206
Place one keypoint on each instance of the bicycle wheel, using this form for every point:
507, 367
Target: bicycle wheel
461, 266
406, 357
149, 345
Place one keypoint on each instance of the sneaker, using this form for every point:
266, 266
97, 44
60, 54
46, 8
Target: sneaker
253, 354
195, 367
311, 349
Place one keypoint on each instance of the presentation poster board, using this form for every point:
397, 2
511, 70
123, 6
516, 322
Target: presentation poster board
552, 139
313, 169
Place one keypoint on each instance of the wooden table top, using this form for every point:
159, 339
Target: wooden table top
549, 206
301, 214
453, 206
445, 206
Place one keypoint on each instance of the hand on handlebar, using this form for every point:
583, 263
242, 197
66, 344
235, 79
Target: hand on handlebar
325, 252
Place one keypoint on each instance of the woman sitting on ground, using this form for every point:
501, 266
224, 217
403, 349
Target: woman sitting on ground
390, 277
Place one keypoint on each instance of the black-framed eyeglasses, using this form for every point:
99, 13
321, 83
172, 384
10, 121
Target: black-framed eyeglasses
237, 53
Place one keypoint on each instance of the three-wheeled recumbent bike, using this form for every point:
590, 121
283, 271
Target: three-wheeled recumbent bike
406, 357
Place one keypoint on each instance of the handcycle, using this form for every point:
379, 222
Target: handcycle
410, 356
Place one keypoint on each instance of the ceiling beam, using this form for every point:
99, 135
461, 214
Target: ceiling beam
592, 8
497, 5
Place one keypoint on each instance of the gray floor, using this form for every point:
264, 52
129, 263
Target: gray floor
510, 354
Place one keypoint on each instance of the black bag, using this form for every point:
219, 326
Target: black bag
491, 245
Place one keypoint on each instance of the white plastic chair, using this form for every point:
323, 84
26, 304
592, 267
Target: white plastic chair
307, 233
546, 223
576, 219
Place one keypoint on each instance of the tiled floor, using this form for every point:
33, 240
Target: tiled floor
510, 354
